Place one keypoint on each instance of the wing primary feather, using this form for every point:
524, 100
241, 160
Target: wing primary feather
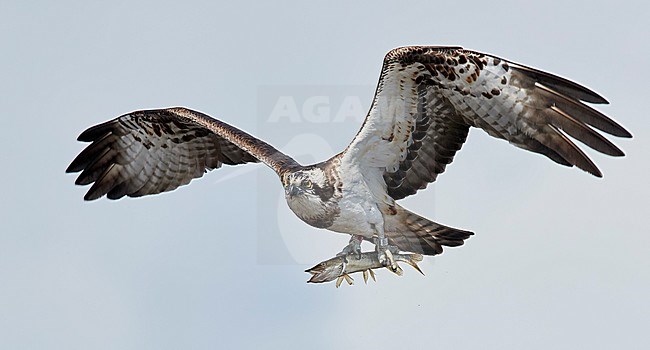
559, 142
94, 168
89, 153
538, 147
95, 132
118, 191
583, 133
582, 112
103, 184
564, 86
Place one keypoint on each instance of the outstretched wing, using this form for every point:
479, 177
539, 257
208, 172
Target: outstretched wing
153, 151
428, 98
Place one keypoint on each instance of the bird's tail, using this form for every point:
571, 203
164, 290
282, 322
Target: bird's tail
412, 233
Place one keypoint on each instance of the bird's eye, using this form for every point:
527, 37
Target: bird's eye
307, 183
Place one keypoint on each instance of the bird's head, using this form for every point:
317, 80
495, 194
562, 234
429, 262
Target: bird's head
311, 196
304, 183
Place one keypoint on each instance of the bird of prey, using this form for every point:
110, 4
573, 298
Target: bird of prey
426, 100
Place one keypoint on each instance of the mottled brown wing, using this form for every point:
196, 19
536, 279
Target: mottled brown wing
428, 97
438, 134
154, 151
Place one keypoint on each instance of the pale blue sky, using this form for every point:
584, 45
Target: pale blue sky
559, 260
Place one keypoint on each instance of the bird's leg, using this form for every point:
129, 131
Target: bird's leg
354, 247
385, 251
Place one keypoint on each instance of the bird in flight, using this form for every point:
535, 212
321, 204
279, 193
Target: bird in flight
426, 100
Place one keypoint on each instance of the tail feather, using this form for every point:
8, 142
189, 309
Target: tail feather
412, 233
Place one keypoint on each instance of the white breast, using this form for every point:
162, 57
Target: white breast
359, 213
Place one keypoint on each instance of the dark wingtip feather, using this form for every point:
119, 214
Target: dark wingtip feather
581, 111
116, 192
565, 86
95, 132
78, 164
83, 179
591, 170
581, 131
92, 195
556, 140
625, 134
72, 168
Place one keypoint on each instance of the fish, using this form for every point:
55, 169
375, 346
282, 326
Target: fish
340, 267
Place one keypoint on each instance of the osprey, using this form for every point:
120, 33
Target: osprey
426, 100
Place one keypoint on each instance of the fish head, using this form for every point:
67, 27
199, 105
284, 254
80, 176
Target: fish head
328, 270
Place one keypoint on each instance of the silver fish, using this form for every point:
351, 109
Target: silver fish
340, 267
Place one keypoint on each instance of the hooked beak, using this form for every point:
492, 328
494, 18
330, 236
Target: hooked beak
293, 190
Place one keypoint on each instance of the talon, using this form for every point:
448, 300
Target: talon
390, 261
372, 274
339, 281
353, 247
389, 257
365, 276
